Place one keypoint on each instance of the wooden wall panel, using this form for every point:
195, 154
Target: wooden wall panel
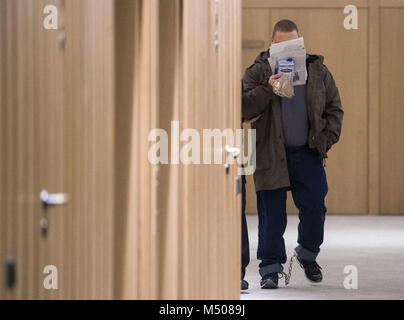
256, 33
374, 108
3, 213
178, 226
366, 168
391, 110
136, 100
200, 221
169, 204
125, 36
86, 231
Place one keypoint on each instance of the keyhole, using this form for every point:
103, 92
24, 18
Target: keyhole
44, 224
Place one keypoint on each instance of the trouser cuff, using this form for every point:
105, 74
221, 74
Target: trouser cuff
271, 268
303, 253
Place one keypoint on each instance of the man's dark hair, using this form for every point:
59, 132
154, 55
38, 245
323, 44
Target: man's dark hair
285, 26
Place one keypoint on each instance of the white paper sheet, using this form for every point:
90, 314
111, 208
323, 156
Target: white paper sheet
290, 49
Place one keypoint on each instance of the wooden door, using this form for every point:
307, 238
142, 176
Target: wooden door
200, 211
178, 225
173, 231
57, 131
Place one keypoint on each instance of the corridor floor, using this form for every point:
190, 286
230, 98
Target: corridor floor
374, 245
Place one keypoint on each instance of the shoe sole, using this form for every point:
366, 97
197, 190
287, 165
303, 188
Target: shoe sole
269, 284
312, 281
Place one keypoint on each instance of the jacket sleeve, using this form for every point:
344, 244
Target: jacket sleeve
333, 110
257, 92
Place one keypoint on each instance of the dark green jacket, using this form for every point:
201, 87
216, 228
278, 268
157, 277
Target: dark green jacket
324, 112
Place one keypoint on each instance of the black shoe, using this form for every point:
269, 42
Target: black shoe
244, 285
311, 269
270, 281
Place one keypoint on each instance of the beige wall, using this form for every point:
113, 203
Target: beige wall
365, 169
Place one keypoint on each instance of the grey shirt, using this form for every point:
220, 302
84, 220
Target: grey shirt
294, 118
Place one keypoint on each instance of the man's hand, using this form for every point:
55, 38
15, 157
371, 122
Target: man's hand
273, 78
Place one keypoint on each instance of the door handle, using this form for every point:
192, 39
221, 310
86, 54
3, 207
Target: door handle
53, 199
235, 152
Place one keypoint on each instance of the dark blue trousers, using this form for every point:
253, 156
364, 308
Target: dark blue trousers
309, 188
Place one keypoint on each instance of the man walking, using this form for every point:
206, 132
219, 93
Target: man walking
293, 138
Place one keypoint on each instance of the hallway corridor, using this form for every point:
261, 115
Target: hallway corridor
373, 244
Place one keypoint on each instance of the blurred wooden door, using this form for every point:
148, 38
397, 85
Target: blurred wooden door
178, 226
57, 136
199, 208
